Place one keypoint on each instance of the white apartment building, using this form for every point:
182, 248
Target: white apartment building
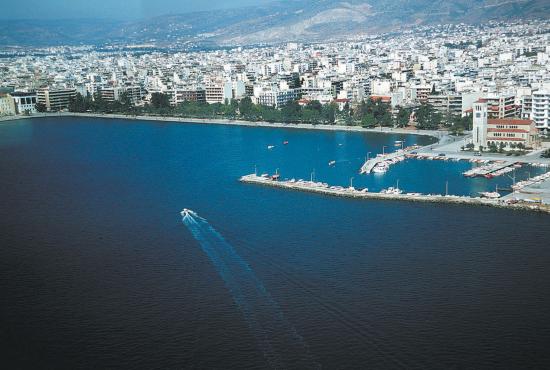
541, 109
274, 97
24, 102
7, 105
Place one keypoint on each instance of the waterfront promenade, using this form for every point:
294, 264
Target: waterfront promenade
215, 121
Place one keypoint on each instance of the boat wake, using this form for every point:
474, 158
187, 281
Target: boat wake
278, 340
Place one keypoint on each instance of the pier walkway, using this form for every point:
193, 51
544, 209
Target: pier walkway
321, 188
535, 190
371, 163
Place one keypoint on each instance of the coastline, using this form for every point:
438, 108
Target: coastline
217, 121
439, 135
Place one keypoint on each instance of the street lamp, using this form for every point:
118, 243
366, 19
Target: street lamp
383, 149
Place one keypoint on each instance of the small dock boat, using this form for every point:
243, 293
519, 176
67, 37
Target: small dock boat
490, 194
331, 163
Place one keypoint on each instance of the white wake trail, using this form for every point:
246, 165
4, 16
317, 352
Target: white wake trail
278, 340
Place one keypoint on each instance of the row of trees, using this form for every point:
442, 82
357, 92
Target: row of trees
502, 148
369, 113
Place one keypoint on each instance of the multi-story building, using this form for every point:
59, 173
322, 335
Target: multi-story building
541, 109
456, 104
275, 97
214, 93
502, 106
135, 93
7, 105
111, 94
421, 92
196, 95
526, 103
55, 99
25, 102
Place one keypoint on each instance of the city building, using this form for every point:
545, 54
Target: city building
25, 102
541, 109
274, 97
510, 132
500, 106
189, 94
7, 105
502, 132
55, 99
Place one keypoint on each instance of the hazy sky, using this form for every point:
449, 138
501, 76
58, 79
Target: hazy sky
118, 9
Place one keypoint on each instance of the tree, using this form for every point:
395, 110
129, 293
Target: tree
40, 107
160, 100
385, 120
427, 118
296, 81
403, 117
99, 104
316, 105
329, 112
368, 120
246, 108
79, 103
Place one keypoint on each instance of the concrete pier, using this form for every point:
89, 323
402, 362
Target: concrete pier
489, 169
322, 188
371, 163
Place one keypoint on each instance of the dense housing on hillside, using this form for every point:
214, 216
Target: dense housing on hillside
448, 67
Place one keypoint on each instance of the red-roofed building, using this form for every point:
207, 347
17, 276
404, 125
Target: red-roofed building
382, 98
303, 102
342, 103
502, 131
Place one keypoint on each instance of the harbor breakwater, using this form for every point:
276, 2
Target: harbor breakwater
323, 188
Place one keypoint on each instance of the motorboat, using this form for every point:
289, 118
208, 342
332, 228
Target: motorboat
331, 163
187, 212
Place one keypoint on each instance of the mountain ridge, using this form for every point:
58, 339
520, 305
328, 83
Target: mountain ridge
280, 21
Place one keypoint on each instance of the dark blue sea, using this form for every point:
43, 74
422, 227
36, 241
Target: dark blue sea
98, 269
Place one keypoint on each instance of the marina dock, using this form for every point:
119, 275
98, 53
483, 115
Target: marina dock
323, 188
371, 163
492, 169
